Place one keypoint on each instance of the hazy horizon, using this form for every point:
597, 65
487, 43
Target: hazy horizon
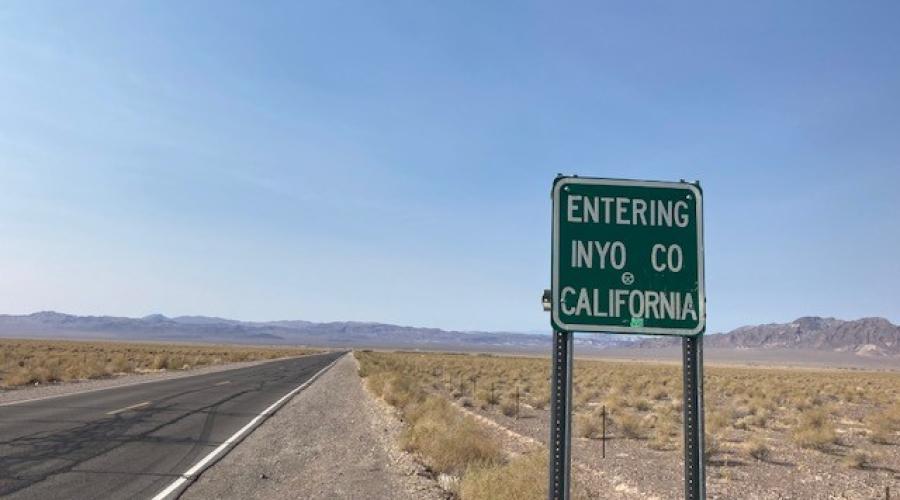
546, 331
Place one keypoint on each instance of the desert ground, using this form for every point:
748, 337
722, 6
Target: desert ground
41, 362
479, 424
394, 424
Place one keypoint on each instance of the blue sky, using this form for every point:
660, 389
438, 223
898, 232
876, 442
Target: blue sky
392, 161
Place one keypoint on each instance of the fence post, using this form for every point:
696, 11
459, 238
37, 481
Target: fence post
603, 426
517, 401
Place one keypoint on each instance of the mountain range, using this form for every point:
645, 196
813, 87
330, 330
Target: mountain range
867, 337
47, 324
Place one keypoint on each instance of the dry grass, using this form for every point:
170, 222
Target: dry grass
588, 425
539, 399
664, 437
29, 362
858, 459
508, 405
630, 425
448, 442
814, 430
739, 401
751, 412
757, 448
520, 479
884, 425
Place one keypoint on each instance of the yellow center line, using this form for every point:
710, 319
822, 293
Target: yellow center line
132, 407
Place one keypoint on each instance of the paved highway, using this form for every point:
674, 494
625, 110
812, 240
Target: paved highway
135, 441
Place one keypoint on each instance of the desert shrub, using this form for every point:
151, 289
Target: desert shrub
614, 403
760, 418
449, 442
182, 362
523, 478
757, 448
375, 382
712, 444
581, 397
20, 376
587, 425
740, 411
160, 362
508, 405
659, 393
629, 424
46, 374
884, 425
488, 397
662, 435
400, 390
716, 424
119, 364
744, 422
814, 430
857, 459
539, 400
718, 420
642, 405
809, 402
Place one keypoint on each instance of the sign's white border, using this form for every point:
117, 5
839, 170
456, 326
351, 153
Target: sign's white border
701, 294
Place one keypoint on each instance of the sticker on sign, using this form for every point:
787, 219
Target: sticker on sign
627, 257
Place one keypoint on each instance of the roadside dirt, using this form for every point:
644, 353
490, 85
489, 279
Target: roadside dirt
330, 441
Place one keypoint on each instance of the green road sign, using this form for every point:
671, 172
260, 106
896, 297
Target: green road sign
627, 257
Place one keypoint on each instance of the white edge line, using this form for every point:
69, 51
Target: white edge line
132, 407
191, 473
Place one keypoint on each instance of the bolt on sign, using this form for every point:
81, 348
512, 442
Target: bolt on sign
627, 257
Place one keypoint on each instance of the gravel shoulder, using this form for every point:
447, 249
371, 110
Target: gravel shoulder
332, 440
12, 396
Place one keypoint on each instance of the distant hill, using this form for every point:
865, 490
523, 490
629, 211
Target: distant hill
866, 337
870, 337
335, 334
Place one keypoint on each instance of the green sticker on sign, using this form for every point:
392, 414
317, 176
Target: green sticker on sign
627, 257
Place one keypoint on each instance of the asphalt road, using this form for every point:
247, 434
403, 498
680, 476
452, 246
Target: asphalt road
133, 441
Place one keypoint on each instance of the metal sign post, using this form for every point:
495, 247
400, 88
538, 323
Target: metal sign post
694, 470
627, 257
561, 416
